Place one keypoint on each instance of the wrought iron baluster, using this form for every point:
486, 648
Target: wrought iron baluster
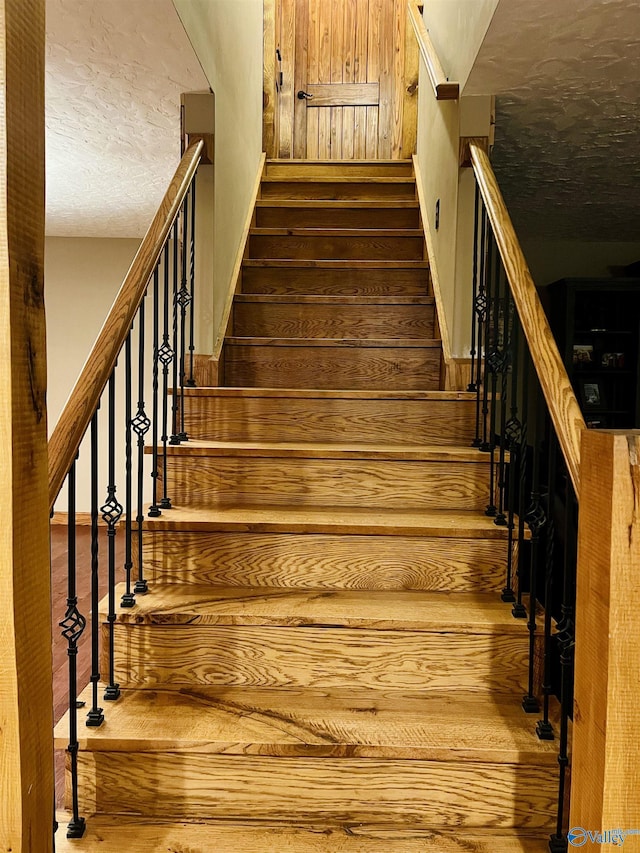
73, 626
513, 437
140, 425
544, 729
481, 319
95, 717
184, 298
566, 641
192, 278
504, 349
154, 509
536, 519
111, 512
165, 355
128, 599
519, 611
493, 357
175, 431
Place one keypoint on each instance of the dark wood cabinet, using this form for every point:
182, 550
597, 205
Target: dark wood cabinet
596, 323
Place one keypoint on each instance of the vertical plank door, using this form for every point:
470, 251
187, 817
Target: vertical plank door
344, 88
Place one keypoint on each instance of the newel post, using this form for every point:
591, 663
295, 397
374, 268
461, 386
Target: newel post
26, 739
605, 777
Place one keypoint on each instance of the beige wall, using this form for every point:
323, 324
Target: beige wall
227, 37
440, 125
457, 29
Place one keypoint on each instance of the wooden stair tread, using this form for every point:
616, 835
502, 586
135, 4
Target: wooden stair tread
436, 726
338, 178
328, 394
336, 232
294, 519
153, 835
345, 343
317, 450
312, 299
341, 204
329, 264
388, 610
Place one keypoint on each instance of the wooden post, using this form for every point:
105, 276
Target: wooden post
26, 750
605, 777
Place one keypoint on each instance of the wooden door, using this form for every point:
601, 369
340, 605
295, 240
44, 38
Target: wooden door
353, 61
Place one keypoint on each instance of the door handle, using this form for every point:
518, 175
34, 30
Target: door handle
304, 96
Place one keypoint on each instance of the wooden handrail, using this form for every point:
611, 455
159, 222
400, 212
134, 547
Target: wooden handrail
443, 88
554, 380
83, 400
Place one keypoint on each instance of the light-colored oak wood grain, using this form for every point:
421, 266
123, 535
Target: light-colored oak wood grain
244, 481
82, 403
410, 89
316, 561
605, 775
331, 188
372, 169
344, 94
461, 726
280, 363
342, 520
443, 88
240, 417
235, 280
561, 400
271, 79
298, 790
26, 747
323, 657
153, 835
392, 610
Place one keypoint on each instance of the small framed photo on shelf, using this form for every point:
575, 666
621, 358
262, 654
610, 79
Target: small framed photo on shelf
592, 395
612, 360
583, 355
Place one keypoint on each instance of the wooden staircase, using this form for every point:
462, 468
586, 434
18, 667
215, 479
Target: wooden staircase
323, 661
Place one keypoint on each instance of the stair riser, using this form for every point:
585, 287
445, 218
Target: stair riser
264, 320
365, 189
321, 419
296, 790
309, 561
347, 248
306, 217
203, 481
379, 368
315, 656
371, 170
342, 282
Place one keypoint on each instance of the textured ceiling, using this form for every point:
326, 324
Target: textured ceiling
567, 150
115, 70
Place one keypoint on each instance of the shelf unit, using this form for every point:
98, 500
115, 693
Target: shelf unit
596, 323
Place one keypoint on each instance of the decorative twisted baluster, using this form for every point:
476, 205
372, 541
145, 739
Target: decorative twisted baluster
140, 425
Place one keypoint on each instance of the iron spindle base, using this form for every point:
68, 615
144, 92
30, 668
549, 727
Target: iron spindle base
472, 387
190, 383
183, 436
95, 718
544, 730
128, 600
154, 512
165, 503
112, 692
141, 588
500, 520
530, 705
484, 446
558, 844
174, 439
490, 511
519, 611
477, 442
76, 828
508, 595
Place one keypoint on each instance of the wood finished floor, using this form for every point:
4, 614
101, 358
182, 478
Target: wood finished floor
59, 576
